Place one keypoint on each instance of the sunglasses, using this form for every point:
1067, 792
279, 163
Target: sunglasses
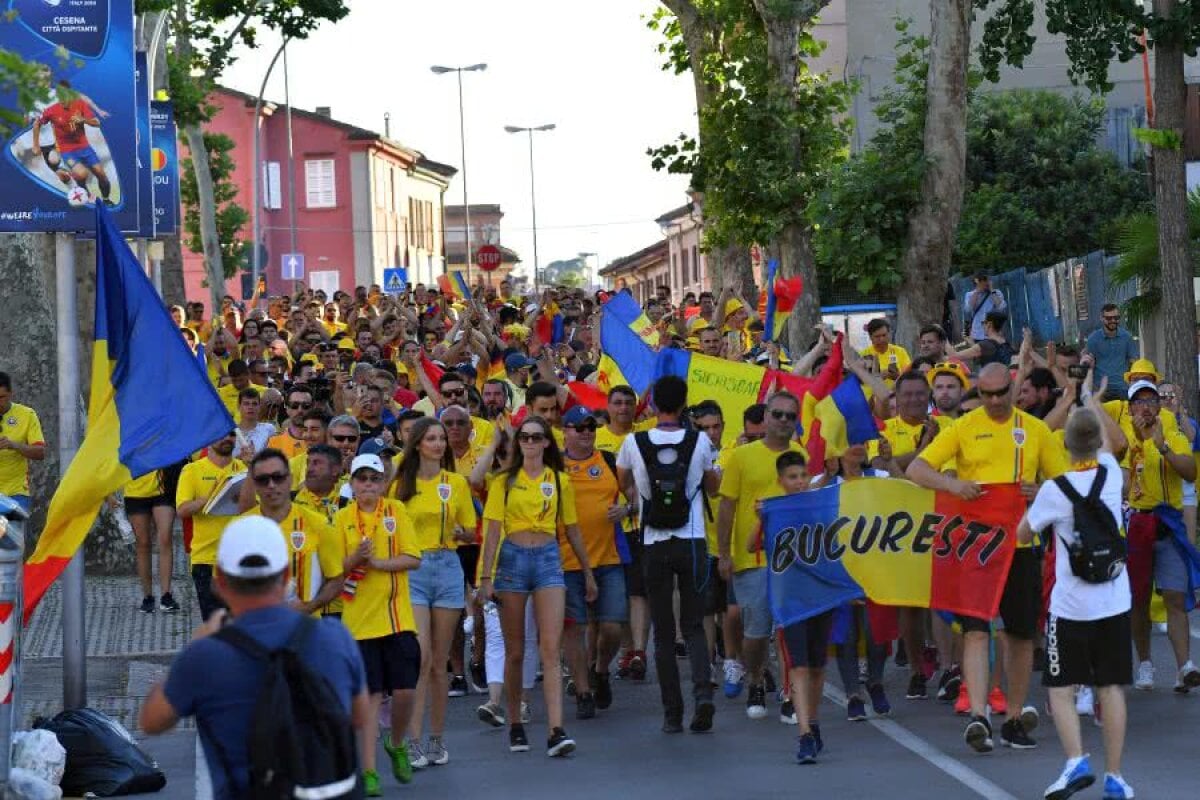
531, 438
995, 392
373, 477
585, 427
455, 392
298, 406
790, 416
343, 439
456, 423
1167, 395
314, 341
266, 479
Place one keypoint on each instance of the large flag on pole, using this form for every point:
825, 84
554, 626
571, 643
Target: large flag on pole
781, 296
151, 406
892, 542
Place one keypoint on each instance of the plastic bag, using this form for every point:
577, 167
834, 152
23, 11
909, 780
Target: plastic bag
39, 752
102, 757
26, 785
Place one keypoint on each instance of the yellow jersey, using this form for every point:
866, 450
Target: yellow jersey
200, 480
313, 554
1151, 479
596, 491
145, 487
19, 424
437, 506
380, 605
229, 396
289, 445
1019, 450
747, 477
531, 504
894, 354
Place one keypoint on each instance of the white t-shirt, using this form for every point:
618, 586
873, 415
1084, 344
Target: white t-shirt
703, 458
1074, 598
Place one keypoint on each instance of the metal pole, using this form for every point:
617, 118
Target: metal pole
462, 137
74, 661
12, 545
287, 99
533, 206
256, 269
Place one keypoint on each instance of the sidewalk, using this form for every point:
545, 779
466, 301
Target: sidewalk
127, 654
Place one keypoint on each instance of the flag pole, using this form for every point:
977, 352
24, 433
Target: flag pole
74, 661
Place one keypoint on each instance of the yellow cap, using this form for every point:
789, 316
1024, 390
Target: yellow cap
949, 368
309, 358
346, 344
732, 306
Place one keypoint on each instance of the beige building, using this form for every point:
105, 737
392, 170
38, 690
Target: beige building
640, 272
485, 229
687, 268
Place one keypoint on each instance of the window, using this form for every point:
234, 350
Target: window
318, 183
695, 265
683, 275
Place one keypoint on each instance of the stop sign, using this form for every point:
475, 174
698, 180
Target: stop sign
487, 258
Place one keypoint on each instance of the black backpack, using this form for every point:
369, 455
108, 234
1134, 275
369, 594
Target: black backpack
1097, 554
668, 507
301, 741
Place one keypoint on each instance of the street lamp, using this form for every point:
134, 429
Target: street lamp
256, 268
462, 137
532, 193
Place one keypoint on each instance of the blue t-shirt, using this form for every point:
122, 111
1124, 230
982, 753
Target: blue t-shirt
219, 685
1113, 356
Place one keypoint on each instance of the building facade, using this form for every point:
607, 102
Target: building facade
641, 272
687, 266
485, 229
363, 202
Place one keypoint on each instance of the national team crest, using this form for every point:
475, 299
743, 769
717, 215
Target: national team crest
12, 420
297, 540
444, 492
593, 472
389, 525
1019, 436
547, 490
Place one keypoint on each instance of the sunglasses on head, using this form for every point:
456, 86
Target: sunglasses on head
585, 427
298, 406
790, 416
268, 478
531, 438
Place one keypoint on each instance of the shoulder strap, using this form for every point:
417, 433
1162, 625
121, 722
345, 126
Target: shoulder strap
237, 638
557, 494
687, 447
610, 460
1098, 483
1067, 489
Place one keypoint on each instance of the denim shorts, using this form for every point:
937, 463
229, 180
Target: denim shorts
438, 582
750, 588
527, 569
611, 605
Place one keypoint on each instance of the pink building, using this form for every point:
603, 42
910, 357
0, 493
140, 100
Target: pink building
364, 202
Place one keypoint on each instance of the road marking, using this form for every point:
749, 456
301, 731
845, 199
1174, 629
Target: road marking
914, 743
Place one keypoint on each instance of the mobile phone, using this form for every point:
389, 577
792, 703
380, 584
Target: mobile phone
1077, 371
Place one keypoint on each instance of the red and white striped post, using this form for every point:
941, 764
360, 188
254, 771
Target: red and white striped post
12, 546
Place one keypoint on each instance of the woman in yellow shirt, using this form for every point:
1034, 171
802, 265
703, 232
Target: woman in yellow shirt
148, 504
528, 502
438, 501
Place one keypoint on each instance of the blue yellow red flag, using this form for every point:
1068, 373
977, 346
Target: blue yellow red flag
151, 406
626, 358
623, 307
454, 284
892, 542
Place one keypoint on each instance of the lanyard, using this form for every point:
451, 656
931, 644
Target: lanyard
378, 515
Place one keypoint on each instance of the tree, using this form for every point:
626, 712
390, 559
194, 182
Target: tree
1096, 32
206, 35
29, 80
231, 218
769, 128
1136, 240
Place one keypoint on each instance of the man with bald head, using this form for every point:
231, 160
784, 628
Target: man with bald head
997, 443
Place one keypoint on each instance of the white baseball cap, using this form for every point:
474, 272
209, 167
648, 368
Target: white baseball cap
1140, 385
252, 547
367, 461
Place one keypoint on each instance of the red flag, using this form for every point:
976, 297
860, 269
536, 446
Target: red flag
432, 370
587, 395
973, 581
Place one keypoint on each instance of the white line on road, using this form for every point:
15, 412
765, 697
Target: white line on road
914, 743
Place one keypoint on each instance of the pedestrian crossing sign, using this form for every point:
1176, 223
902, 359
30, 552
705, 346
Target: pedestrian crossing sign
394, 280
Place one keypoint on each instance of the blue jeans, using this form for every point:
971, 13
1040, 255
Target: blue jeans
438, 582
527, 569
611, 604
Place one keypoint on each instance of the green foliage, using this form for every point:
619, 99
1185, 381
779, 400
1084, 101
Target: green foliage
766, 149
1162, 139
1038, 188
28, 79
1136, 239
231, 218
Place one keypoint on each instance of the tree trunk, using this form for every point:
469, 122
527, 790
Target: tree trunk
174, 292
207, 208
925, 267
1170, 200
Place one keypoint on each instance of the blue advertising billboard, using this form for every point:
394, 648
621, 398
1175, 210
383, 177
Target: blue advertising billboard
145, 188
80, 147
164, 161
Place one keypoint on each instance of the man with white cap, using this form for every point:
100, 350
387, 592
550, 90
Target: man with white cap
219, 683
376, 541
1156, 465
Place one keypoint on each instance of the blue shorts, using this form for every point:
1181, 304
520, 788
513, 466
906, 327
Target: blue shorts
438, 582
750, 589
527, 569
611, 605
1170, 571
84, 155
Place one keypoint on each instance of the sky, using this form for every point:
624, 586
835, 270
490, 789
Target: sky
591, 68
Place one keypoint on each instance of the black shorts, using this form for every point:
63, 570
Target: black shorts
1022, 598
145, 505
468, 556
170, 479
393, 662
807, 642
1091, 653
635, 575
716, 594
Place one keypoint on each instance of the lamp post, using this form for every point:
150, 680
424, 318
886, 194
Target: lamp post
532, 192
462, 137
256, 269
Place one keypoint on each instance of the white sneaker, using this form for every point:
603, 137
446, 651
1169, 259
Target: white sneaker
1188, 678
1145, 676
1084, 701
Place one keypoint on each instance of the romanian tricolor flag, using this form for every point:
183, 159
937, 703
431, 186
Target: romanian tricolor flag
151, 406
454, 284
781, 296
627, 358
624, 308
892, 542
